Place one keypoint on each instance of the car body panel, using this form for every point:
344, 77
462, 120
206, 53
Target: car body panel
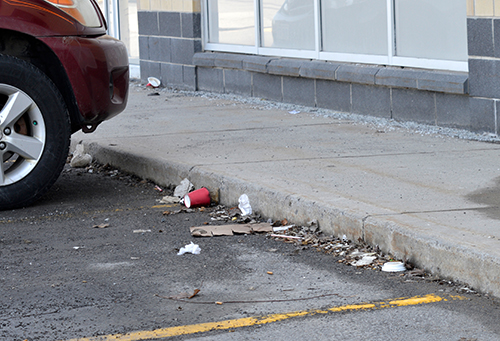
32, 17
89, 64
95, 64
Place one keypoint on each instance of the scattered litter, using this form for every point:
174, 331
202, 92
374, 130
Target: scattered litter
80, 159
283, 236
294, 112
269, 272
135, 258
141, 231
200, 197
229, 230
77, 247
282, 228
190, 248
153, 82
244, 205
184, 188
393, 267
366, 260
158, 188
100, 226
169, 200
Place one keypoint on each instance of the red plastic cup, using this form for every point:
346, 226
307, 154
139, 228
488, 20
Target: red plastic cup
200, 197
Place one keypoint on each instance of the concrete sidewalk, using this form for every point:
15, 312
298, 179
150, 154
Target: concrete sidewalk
432, 200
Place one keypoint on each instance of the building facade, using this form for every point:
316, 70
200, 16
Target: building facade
435, 62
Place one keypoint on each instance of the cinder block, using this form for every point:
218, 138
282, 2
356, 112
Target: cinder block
183, 50
159, 49
238, 82
371, 100
449, 82
318, 70
453, 110
484, 78
397, 78
170, 24
149, 69
204, 59
267, 86
210, 79
171, 75
144, 47
413, 105
229, 60
189, 77
482, 115
284, 67
148, 23
191, 25
298, 91
256, 63
496, 36
357, 74
480, 37
333, 95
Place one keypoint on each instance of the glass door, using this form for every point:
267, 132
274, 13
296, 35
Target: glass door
121, 16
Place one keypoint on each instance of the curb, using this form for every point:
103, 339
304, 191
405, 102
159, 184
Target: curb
456, 262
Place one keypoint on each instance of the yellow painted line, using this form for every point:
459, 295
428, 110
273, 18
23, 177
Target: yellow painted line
165, 206
258, 320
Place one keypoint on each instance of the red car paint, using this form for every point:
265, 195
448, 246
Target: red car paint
95, 64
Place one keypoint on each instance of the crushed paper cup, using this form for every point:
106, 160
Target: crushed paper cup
154, 82
393, 267
200, 197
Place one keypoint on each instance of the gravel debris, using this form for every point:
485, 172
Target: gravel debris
380, 124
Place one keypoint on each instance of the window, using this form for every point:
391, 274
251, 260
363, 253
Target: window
423, 33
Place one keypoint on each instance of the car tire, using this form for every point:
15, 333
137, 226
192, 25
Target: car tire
34, 133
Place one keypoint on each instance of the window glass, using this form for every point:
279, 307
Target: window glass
231, 22
355, 26
288, 24
434, 29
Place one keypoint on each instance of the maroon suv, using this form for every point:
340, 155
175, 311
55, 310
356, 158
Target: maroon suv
59, 72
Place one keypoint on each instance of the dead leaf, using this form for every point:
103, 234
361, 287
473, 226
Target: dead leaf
184, 295
196, 291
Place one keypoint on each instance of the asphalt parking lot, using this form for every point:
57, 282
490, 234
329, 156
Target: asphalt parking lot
97, 260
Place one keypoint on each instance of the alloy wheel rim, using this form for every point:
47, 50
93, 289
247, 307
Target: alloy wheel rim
22, 137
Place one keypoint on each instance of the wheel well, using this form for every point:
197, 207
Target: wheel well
34, 51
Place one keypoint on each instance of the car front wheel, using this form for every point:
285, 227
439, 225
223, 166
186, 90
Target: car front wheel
34, 133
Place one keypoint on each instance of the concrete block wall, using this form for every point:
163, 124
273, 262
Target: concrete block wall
430, 97
171, 49
483, 26
169, 36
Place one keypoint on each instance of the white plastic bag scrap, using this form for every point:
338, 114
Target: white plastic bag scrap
190, 248
244, 205
80, 159
184, 188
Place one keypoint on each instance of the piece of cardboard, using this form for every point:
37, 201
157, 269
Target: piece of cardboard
229, 230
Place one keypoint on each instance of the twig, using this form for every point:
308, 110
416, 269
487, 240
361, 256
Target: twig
256, 301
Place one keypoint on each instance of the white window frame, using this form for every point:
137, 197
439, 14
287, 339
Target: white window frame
390, 59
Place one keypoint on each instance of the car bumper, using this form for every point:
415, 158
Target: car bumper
98, 71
